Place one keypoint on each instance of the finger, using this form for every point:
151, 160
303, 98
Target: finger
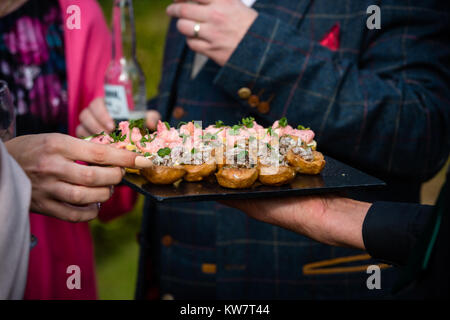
79, 150
198, 45
78, 195
143, 162
101, 114
188, 11
186, 27
152, 118
66, 212
81, 132
90, 176
90, 123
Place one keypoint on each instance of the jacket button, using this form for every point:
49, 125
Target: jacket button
264, 107
167, 296
178, 112
167, 240
244, 93
253, 101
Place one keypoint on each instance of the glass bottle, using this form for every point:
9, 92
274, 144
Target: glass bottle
125, 91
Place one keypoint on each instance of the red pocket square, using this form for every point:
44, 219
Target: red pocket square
331, 39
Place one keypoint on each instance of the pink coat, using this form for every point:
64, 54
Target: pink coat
62, 244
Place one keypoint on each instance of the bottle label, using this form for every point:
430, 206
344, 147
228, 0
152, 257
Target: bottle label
116, 101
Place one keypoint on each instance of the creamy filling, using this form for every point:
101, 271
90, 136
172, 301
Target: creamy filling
305, 153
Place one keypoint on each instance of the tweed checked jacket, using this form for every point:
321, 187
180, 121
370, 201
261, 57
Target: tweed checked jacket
379, 102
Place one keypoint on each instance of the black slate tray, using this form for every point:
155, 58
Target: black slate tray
335, 177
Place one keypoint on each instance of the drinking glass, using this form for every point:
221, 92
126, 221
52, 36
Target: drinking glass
7, 113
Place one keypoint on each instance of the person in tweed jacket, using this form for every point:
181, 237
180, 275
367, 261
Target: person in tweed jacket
378, 99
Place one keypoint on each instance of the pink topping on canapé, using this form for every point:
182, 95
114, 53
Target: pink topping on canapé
187, 129
168, 135
161, 127
136, 135
124, 128
102, 139
306, 135
219, 132
152, 147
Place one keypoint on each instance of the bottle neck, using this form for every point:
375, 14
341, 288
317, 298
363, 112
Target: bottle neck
123, 31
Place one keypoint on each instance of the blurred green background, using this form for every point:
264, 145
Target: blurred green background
116, 248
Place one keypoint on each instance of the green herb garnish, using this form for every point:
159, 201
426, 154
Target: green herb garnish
209, 136
271, 132
219, 124
147, 154
184, 136
248, 122
117, 137
300, 127
181, 123
242, 154
139, 123
164, 152
235, 130
167, 125
283, 122
197, 125
194, 151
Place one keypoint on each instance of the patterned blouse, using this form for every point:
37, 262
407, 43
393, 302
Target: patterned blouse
32, 61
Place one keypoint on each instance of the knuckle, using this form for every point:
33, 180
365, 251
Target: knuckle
88, 176
44, 166
217, 17
183, 10
51, 143
99, 155
76, 196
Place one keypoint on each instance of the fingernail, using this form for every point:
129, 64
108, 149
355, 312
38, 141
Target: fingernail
169, 9
123, 171
111, 126
142, 162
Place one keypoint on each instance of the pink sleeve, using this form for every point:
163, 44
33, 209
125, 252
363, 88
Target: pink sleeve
88, 53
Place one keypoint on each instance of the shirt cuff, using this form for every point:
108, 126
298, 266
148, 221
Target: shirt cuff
390, 230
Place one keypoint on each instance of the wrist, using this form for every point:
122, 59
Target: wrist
343, 220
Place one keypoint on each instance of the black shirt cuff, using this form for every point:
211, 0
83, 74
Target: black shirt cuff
390, 230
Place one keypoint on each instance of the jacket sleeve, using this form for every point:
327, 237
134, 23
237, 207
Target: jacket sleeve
389, 223
387, 110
